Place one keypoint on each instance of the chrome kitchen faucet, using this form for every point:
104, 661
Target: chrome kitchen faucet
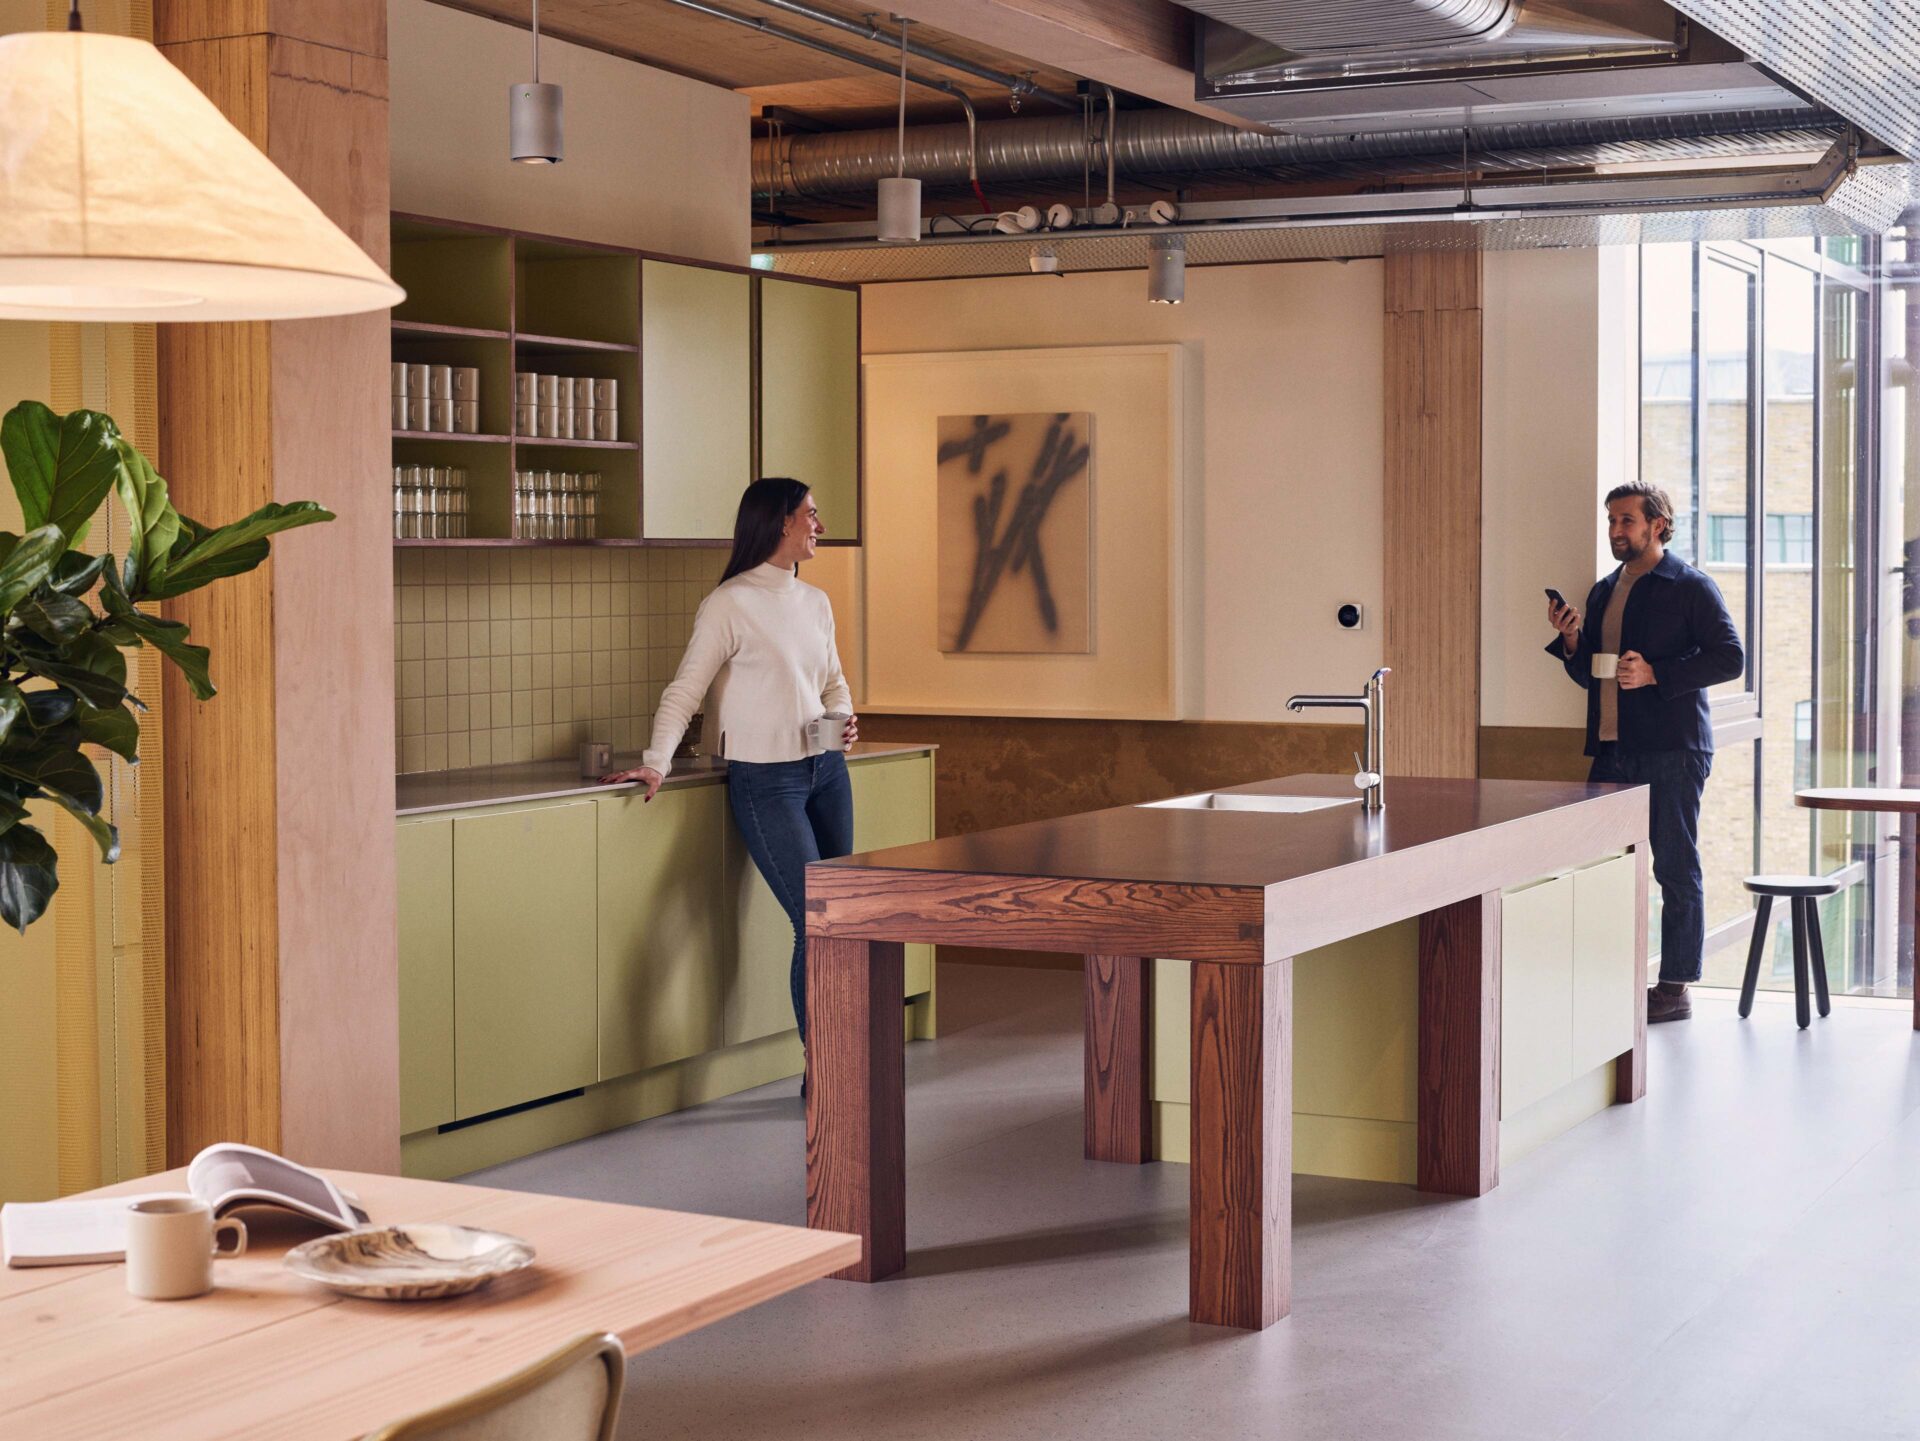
1372, 775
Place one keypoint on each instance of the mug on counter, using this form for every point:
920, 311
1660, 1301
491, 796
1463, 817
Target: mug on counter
596, 759
171, 1243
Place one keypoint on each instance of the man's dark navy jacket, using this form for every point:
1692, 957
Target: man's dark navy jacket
1678, 622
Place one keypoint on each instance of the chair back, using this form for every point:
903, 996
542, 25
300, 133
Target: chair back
572, 1395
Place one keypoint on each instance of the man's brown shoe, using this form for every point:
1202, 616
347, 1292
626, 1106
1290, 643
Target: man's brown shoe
1665, 1006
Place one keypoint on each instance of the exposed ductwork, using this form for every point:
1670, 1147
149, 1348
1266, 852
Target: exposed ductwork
1160, 143
1317, 27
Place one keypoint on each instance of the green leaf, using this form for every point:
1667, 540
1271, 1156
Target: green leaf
13, 705
118, 730
62, 466
99, 691
13, 810
75, 572
155, 524
201, 556
104, 834
55, 617
29, 875
28, 564
49, 708
169, 637
64, 774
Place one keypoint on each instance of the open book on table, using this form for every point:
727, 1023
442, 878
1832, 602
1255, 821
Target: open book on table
227, 1176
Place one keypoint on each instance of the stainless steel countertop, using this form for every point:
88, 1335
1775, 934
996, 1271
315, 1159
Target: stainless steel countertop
425, 792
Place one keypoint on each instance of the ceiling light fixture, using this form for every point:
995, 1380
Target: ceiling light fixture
126, 196
899, 212
1167, 269
535, 117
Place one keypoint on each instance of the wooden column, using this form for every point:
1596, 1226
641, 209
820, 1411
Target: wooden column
856, 1099
1119, 1115
1240, 1252
282, 983
1432, 510
1457, 1141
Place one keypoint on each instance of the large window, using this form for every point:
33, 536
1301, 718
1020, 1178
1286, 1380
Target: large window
1751, 418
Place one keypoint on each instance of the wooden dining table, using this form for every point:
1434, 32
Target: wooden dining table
266, 1354
1886, 800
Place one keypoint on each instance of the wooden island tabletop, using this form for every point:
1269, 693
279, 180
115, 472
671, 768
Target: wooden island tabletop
268, 1354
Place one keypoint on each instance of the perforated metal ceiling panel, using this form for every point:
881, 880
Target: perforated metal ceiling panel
1860, 58
1868, 202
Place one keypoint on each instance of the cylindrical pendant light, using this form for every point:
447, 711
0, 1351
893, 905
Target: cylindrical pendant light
126, 196
535, 121
899, 208
1167, 269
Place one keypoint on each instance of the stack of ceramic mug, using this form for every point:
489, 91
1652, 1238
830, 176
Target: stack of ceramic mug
438, 398
565, 407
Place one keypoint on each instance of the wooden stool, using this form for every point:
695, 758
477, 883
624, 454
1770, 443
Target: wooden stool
1802, 892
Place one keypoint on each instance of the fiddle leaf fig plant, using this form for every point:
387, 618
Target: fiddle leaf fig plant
68, 617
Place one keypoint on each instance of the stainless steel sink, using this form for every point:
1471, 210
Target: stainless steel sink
1233, 801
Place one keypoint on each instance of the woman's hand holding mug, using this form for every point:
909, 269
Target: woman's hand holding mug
853, 730
647, 776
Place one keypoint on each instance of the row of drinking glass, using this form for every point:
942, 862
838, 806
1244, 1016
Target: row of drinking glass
429, 502
556, 504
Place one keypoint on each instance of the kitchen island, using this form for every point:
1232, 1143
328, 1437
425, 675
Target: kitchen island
1234, 884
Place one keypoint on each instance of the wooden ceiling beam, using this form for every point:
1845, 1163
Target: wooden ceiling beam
1144, 47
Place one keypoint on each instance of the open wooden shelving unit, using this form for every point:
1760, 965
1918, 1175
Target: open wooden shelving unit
693, 429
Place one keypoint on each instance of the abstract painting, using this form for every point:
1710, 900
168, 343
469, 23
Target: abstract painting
1015, 533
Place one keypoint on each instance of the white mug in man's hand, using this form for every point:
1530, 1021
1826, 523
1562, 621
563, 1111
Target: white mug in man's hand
1606, 665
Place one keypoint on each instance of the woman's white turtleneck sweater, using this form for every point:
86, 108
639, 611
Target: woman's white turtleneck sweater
764, 642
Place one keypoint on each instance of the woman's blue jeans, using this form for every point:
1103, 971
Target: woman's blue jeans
790, 813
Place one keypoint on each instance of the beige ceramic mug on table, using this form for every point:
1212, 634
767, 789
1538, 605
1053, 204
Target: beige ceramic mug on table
171, 1243
1606, 665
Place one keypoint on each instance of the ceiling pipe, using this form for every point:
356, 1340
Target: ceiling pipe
1018, 86
1161, 142
852, 57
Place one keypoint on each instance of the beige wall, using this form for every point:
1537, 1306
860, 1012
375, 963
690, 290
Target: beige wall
654, 160
1284, 384
1285, 414
1558, 408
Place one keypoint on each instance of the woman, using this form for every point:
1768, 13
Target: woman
764, 642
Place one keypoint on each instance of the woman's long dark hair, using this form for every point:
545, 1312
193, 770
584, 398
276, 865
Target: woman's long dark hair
757, 528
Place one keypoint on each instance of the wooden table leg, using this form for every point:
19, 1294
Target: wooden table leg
1458, 1132
1119, 1119
1241, 1247
1630, 1067
856, 1102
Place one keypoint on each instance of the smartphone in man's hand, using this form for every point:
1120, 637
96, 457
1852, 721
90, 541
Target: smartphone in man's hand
1555, 596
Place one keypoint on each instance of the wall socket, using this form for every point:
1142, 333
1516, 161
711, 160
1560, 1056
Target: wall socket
1351, 616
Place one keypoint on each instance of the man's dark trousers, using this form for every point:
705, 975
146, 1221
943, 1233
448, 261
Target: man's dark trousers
1676, 780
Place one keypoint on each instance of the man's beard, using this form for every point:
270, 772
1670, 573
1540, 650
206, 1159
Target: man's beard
1626, 550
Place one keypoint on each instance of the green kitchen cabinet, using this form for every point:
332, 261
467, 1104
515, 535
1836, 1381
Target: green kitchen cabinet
663, 909
893, 806
757, 965
424, 850
524, 923
1536, 992
1605, 902
696, 399
810, 394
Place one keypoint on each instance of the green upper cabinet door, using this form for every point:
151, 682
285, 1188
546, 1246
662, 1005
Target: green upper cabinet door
662, 926
893, 806
524, 938
425, 855
810, 395
696, 399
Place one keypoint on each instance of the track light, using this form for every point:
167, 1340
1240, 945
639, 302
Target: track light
1167, 269
1018, 222
899, 201
535, 127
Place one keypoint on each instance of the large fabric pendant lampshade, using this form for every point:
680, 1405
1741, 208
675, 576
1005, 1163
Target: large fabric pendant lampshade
125, 195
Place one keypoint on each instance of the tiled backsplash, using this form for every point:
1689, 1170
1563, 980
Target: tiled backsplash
518, 655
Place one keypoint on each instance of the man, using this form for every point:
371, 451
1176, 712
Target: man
1649, 725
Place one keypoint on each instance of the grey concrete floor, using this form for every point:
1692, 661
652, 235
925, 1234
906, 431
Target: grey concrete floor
1739, 1255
